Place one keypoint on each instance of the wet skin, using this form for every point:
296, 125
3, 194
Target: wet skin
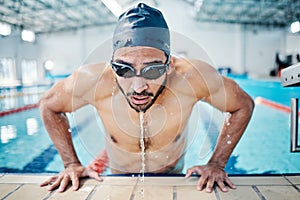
118, 101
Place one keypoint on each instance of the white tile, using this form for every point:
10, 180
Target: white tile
153, 192
279, 192
294, 179
29, 192
259, 180
112, 192
241, 193
191, 193
80, 194
5, 189
16, 178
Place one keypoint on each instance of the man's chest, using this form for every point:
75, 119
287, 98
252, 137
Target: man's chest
161, 125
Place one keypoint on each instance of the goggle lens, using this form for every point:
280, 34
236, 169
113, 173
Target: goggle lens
150, 72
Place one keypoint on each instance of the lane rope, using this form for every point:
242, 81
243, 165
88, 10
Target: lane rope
274, 105
16, 110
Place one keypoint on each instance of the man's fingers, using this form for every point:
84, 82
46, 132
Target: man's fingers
48, 181
222, 185
210, 184
201, 183
55, 183
94, 175
209, 176
64, 183
188, 173
229, 183
192, 170
75, 181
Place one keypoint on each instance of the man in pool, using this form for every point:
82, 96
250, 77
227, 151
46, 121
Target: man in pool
144, 81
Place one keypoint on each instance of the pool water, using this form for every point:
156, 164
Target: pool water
264, 148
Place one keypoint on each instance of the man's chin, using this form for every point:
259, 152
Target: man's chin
140, 107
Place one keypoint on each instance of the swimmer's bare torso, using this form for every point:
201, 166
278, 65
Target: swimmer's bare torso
186, 82
164, 121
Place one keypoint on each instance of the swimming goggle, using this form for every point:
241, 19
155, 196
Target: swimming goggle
150, 72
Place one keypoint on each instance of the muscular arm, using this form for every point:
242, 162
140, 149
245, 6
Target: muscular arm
53, 106
67, 96
225, 95
230, 98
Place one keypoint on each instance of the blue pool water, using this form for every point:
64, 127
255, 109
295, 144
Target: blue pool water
264, 148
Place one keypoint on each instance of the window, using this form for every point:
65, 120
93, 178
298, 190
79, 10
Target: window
7, 72
29, 72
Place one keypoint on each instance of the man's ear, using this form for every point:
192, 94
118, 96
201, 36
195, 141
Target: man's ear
171, 65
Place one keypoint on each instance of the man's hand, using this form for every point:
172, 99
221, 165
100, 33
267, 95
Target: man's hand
210, 174
71, 173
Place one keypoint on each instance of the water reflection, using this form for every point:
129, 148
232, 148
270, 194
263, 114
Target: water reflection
7, 133
32, 126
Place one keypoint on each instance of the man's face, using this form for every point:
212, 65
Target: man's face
139, 90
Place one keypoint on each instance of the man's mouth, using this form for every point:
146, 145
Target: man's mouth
140, 99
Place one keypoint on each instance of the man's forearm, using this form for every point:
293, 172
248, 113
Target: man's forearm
230, 135
58, 129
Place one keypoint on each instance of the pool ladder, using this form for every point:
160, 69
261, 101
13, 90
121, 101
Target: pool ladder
290, 77
295, 147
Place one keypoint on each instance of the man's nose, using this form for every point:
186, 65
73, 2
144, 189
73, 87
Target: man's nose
139, 84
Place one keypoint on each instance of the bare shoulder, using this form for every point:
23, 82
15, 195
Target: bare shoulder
88, 74
201, 76
196, 68
92, 78
82, 87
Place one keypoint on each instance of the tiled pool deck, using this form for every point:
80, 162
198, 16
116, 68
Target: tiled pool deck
26, 187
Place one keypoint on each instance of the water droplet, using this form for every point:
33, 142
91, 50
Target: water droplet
228, 142
114, 87
142, 179
142, 192
227, 118
228, 135
142, 146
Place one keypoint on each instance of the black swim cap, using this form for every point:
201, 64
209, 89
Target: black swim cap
142, 26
